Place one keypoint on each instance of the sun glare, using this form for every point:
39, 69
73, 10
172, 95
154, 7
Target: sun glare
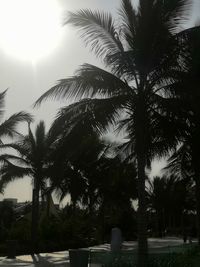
29, 29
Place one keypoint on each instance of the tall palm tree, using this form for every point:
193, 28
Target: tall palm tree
140, 53
32, 160
185, 160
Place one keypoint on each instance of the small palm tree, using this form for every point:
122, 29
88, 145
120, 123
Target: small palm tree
80, 158
140, 55
32, 160
163, 193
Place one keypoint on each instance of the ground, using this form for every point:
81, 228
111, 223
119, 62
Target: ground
61, 258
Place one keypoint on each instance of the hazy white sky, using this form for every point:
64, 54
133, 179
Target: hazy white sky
26, 82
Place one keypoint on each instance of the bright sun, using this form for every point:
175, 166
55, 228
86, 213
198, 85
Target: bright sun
29, 29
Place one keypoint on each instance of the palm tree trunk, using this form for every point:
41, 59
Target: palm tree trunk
35, 216
140, 119
197, 192
142, 225
90, 199
195, 163
48, 199
102, 217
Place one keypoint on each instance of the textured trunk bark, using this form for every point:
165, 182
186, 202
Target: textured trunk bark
102, 218
35, 216
48, 199
90, 200
157, 224
196, 166
142, 224
197, 192
141, 149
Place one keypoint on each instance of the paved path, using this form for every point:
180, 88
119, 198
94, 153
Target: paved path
61, 259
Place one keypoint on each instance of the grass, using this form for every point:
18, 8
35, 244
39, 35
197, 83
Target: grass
176, 256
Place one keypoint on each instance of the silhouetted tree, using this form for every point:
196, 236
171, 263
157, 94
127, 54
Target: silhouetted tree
170, 198
32, 160
187, 95
7, 218
140, 54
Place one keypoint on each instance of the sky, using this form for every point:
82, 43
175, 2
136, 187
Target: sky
27, 80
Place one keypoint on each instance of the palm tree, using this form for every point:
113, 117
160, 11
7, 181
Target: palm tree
117, 188
140, 54
182, 164
94, 176
185, 161
33, 160
81, 159
170, 197
7, 219
76, 160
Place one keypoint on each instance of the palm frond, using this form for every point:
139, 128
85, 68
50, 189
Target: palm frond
40, 136
29, 140
123, 65
129, 18
126, 151
21, 147
95, 113
98, 30
90, 81
8, 127
179, 163
10, 172
177, 13
185, 39
2, 103
4, 158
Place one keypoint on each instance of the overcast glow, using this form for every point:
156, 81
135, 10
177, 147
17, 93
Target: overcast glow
29, 29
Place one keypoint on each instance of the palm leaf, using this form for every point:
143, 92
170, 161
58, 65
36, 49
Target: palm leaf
177, 13
2, 103
10, 172
180, 162
98, 113
90, 81
129, 21
97, 29
20, 147
29, 140
8, 157
8, 127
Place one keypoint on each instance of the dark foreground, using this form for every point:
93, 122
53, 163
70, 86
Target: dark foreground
168, 252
